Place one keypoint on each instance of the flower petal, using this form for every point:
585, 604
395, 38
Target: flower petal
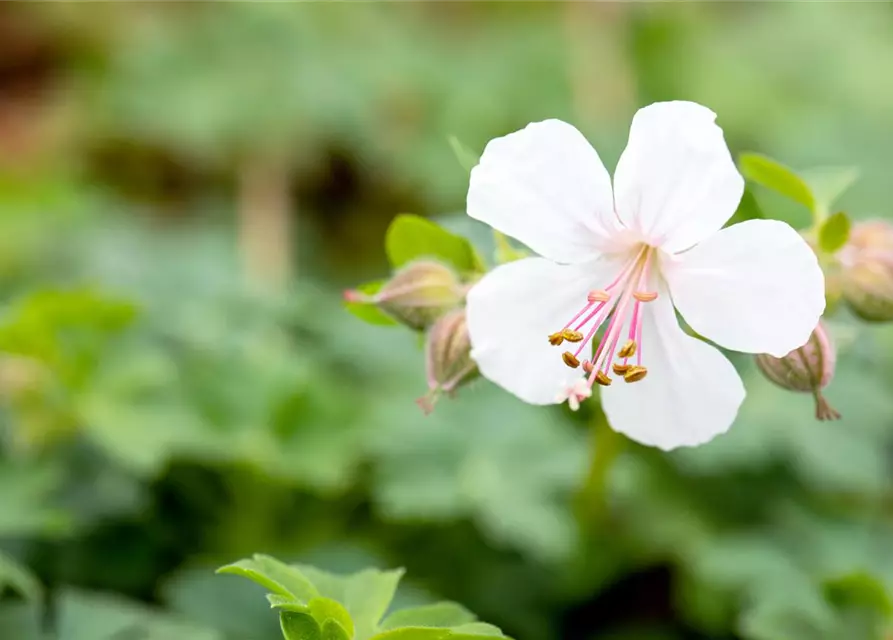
511, 312
691, 393
545, 186
676, 183
755, 287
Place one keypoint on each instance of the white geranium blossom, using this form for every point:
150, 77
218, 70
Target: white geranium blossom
619, 260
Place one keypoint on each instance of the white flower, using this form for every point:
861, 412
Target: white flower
620, 260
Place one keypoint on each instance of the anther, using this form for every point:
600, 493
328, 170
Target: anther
635, 373
628, 349
598, 295
556, 338
570, 360
645, 296
620, 369
602, 379
571, 336
588, 367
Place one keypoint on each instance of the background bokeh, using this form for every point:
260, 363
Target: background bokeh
186, 189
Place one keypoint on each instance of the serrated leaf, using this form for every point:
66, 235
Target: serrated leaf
286, 603
475, 630
276, 576
369, 311
467, 158
410, 237
366, 595
413, 633
441, 614
299, 626
829, 183
332, 630
326, 609
18, 578
775, 176
834, 232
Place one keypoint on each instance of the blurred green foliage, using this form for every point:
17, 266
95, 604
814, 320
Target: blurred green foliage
163, 413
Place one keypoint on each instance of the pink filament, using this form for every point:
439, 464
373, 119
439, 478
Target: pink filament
632, 282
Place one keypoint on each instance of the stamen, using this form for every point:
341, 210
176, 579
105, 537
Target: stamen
620, 369
603, 379
635, 373
556, 338
572, 336
570, 360
628, 349
598, 295
645, 296
588, 366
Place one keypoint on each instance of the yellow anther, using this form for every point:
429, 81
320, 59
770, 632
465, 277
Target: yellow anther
645, 296
571, 336
635, 373
598, 295
602, 379
628, 349
570, 359
620, 369
556, 338
588, 367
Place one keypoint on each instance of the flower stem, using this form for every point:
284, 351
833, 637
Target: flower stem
606, 445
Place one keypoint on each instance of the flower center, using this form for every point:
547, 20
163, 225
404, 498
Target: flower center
618, 304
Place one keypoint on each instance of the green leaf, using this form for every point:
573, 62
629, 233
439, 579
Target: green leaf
18, 578
466, 157
829, 183
834, 232
475, 630
274, 575
413, 633
326, 609
441, 614
286, 603
859, 589
366, 595
410, 237
369, 311
777, 177
299, 626
332, 630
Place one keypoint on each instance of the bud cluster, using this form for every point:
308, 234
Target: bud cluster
429, 296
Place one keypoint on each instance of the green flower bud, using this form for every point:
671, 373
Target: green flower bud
808, 369
866, 264
417, 295
448, 363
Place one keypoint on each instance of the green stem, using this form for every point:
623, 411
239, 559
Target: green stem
606, 445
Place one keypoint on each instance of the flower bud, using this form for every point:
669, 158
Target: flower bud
416, 295
807, 369
448, 363
867, 271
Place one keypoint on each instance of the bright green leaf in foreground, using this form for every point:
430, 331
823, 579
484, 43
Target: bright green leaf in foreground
351, 607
